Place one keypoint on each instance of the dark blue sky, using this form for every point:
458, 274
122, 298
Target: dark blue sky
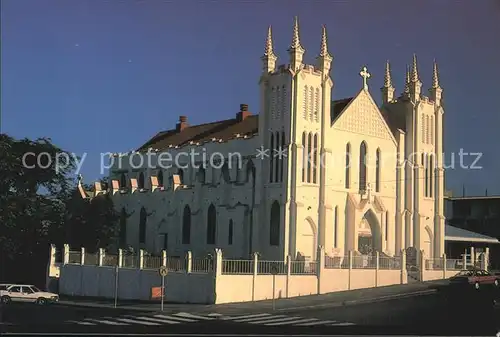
99, 76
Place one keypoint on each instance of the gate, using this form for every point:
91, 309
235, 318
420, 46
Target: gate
412, 267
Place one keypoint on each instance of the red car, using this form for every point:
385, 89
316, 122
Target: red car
475, 277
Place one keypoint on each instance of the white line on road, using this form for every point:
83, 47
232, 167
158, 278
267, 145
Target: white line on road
245, 316
293, 322
257, 319
81, 322
271, 320
175, 318
158, 320
188, 315
316, 323
342, 324
104, 321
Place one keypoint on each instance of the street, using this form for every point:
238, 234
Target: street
472, 313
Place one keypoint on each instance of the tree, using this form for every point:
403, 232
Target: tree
39, 206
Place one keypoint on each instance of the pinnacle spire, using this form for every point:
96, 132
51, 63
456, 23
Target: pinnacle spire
324, 45
414, 69
296, 38
387, 76
407, 80
269, 43
435, 76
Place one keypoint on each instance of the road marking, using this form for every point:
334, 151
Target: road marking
342, 324
271, 320
215, 315
245, 316
294, 322
316, 323
257, 319
188, 315
175, 318
81, 322
105, 321
133, 321
158, 320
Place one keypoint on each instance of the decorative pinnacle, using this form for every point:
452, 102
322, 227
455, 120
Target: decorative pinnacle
324, 45
435, 76
387, 77
296, 38
407, 80
269, 43
414, 69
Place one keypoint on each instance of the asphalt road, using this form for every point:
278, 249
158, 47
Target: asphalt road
469, 313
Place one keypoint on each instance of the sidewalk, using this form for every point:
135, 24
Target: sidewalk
341, 298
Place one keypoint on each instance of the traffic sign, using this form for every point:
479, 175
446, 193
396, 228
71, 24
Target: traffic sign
163, 271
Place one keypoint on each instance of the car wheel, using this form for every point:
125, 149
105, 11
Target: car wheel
41, 301
496, 283
5, 299
476, 285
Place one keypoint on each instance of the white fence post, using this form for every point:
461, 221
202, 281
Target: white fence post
65, 253
255, 271
52, 255
288, 274
422, 265
464, 262
487, 258
82, 256
102, 252
120, 258
141, 259
319, 267
404, 274
218, 262
164, 258
444, 266
189, 258
350, 271
377, 267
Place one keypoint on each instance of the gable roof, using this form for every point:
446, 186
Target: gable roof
452, 233
224, 130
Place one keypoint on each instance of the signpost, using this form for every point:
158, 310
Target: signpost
274, 271
116, 286
163, 272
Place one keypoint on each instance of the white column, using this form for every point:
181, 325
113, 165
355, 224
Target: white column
82, 256
65, 253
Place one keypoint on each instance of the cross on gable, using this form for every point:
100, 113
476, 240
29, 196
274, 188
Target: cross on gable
365, 75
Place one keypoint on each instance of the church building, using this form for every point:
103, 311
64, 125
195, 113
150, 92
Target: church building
304, 172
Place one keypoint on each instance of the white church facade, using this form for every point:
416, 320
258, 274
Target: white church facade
347, 174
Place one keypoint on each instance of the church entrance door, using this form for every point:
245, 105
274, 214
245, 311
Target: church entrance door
307, 240
369, 239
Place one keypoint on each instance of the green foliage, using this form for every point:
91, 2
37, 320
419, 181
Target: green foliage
40, 206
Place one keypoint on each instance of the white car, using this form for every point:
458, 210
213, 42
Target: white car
25, 293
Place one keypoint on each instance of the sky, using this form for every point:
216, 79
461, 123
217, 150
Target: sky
105, 76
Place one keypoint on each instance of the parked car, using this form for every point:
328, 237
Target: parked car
475, 277
25, 293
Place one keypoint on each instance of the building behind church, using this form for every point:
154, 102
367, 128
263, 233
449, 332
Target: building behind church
306, 171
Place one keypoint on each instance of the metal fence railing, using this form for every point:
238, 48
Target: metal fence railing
74, 257
389, 262
336, 262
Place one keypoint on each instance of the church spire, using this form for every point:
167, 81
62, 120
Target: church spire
414, 69
415, 84
296, 50
435, 91
324, 58
387, 89
406, 91
269, 58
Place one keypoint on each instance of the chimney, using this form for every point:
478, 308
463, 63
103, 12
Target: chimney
182, 123
243, 113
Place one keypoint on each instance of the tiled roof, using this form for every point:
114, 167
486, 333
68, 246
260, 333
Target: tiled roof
225, 130
458, 234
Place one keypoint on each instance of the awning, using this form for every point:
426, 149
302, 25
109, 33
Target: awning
458, 234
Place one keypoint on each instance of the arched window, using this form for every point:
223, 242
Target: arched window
160, 178
274, 226
309, 157
386, 225
431, 175
304, 156
362, 166
142, 225
311, 103
140, 181
282, 159
211, 225
225, 173
425, 159
377, 171
180, 173
123, 228
335, 227
230, 233
315, 159
278, 160
271, 161
201, 175
427, 130
186, 225
123, 181
348, 165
